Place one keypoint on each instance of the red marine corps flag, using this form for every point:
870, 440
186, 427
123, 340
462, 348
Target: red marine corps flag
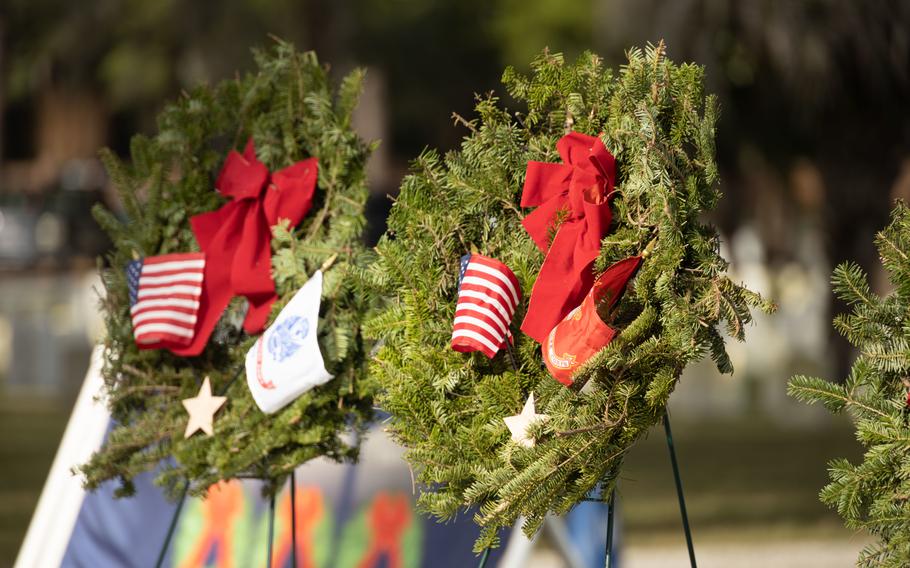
488, 294
582, 333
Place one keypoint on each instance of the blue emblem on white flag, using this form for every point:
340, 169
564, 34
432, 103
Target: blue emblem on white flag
288, 337
285, 361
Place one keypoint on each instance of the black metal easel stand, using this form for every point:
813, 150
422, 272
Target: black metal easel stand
679, 495
610, 511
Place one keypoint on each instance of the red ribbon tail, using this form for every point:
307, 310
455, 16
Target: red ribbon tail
211, 305
216, 234
541, 222
258, 313
562, 283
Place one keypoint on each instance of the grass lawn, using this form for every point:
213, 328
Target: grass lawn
30, 429
744, 480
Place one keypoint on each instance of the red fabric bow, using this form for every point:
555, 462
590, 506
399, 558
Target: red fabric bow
237, 237
577, 193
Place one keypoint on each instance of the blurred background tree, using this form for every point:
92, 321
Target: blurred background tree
818, 80
813, 146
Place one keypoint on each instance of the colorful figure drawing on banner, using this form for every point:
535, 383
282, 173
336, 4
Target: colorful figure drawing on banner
223, 506
310, 511
285, 361
386, 533
389, 517
228, 529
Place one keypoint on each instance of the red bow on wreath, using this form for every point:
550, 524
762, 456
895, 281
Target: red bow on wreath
574, 195
237, 237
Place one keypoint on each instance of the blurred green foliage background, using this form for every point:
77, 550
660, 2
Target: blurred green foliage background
813, 147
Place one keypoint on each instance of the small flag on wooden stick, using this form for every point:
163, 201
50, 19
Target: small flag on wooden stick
488, 294
285, 361
164, 298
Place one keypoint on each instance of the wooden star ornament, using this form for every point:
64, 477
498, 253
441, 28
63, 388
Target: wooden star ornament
519, 424
202, 409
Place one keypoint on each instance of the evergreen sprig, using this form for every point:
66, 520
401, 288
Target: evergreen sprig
447, 408
291, 111
874, 495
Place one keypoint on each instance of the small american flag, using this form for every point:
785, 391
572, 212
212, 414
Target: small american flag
488, 294
164, 297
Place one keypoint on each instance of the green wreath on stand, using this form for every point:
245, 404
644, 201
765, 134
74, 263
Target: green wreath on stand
617, 277
288, 212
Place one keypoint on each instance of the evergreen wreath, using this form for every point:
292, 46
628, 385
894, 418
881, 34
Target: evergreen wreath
874, 495
446, 407
288, 107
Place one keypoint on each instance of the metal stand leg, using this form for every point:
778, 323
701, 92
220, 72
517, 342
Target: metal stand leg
610, 520
173, 525
679, 491
293, 520
271, 530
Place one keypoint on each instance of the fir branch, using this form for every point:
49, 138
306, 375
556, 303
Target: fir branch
871, 495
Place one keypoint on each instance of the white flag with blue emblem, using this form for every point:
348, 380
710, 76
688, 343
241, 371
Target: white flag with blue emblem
285, 361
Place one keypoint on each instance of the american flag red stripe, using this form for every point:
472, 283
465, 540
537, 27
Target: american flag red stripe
164, 298
488, 295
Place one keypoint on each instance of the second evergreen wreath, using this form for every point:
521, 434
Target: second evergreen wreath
549, 282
